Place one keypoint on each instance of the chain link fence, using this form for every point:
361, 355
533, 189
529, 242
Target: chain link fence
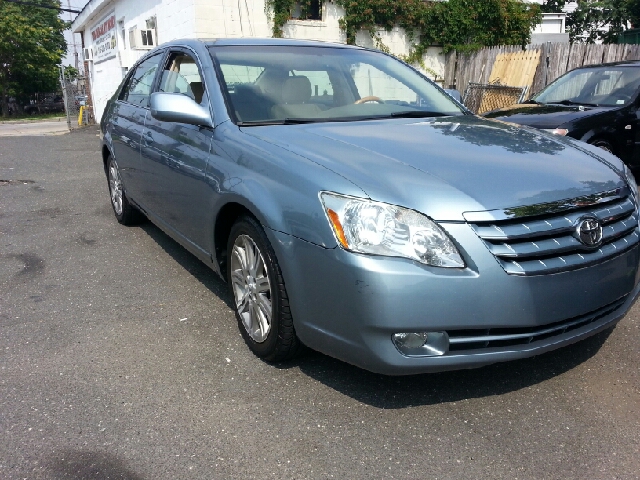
73, 85
482, 97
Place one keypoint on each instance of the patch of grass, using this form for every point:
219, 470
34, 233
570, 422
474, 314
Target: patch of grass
33, 116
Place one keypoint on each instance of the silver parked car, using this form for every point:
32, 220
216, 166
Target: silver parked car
354, 207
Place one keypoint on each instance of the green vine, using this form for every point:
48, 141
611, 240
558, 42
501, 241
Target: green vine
462, 25
280, 12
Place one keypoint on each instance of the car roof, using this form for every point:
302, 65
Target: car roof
626, 63
256, 42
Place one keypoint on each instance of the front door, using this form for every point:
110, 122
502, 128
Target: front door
176, 155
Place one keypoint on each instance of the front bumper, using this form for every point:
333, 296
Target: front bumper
348, 306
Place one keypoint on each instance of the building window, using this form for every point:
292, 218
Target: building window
121, 37
307, 10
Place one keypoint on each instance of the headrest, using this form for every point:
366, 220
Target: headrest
296, 90
270, 83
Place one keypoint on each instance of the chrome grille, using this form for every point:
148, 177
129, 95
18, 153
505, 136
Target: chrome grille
544, 244
477, 339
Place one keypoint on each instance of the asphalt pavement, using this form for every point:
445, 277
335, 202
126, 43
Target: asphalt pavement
120, 357
53, 126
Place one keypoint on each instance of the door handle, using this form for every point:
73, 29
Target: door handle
147, 138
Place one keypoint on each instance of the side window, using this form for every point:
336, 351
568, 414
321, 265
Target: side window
140, 83
181, 75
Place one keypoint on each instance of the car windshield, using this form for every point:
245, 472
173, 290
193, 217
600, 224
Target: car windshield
300, 84
599, 86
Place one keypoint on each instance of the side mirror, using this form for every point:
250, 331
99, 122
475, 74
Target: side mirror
175, 107
455, 94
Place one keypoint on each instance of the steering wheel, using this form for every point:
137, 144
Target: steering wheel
370, 98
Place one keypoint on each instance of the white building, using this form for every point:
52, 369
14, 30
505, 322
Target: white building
73, 55
552, 27
116, 33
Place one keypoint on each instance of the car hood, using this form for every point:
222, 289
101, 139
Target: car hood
544, 116
450, 165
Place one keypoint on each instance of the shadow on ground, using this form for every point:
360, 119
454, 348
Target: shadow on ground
400, 392
83, 465
190, 263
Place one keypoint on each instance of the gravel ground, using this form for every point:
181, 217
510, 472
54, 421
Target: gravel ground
120, 358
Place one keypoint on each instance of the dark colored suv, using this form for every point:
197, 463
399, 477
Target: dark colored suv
598, 104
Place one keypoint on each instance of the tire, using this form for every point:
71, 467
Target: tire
125, 213
259, 294
603, 144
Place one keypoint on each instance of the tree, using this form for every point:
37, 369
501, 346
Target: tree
633, 8
597, 20
71, 73
553, 6
31, 47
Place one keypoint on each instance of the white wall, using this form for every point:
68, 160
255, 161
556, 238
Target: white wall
401, 44
327, 29
218, 19
174, 19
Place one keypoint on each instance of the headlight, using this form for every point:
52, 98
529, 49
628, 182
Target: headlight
365, 226
557, 131
631, 181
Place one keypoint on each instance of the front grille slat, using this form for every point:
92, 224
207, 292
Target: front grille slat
554, 226
569, 261
475, 340
525, 230
560, 244
535, 249
544, 245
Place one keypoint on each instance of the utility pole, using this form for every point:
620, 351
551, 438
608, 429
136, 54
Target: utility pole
73, 37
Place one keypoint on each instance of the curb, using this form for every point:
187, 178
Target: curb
34, 120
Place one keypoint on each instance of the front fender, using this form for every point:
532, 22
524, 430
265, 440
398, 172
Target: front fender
280, 188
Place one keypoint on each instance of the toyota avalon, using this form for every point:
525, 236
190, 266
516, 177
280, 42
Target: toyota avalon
354, 207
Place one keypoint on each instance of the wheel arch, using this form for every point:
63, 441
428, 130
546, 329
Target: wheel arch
595, 135
603, 138
225, 219
296, 215
106, 153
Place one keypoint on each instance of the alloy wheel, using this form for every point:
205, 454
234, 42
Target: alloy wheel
251, 288
115, 188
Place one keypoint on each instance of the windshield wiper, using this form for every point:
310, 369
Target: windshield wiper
284, 121
532, 102
570, 102
418, 114
299, 121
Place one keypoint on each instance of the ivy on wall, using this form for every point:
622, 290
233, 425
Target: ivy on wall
281, 12
463, 25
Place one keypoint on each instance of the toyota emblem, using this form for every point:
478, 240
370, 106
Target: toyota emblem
589, 231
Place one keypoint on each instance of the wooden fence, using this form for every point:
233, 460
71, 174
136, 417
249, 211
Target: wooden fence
555, 59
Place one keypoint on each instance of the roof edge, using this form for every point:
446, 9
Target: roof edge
88, 11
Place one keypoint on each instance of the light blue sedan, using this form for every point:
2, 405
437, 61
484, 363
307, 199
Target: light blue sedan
352, 206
